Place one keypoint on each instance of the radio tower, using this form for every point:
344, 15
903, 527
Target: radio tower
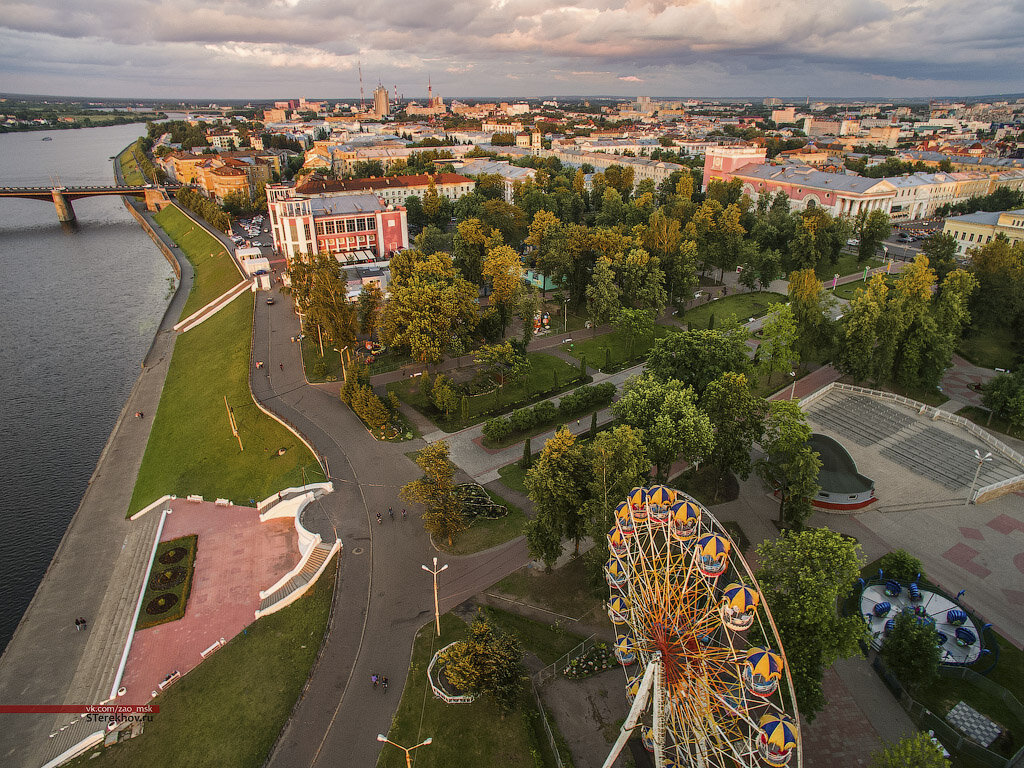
362, 100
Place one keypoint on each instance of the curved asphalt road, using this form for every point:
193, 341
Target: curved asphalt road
382, 597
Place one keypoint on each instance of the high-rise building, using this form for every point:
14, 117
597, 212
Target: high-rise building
381, 103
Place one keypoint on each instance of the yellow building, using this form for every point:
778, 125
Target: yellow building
976, 229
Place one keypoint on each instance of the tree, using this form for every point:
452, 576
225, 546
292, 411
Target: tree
999, 268
941, 249
861, 328
371, 304
873, 231
910, 651
443, 516
557, 484
505, 271
901, 565
529, 306
431, 240
737, 417
667, 413
470, 246
322, 297
789, 466
633, 324
698, 357
503, 363
1004, 396
431, 309
778, 345
507, 218
543, 234
643, 281
527, 459
811, 305
444, 395
487, 663
917, 751
803, 577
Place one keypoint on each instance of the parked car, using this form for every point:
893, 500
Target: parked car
853, 241
903, 237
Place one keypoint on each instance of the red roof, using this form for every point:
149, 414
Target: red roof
316, 184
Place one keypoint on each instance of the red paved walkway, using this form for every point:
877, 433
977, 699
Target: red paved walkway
840, 736
236, 557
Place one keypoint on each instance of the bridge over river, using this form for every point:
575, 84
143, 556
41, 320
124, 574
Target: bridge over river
61, 196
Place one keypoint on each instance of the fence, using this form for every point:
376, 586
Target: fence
547, 725
552, 670
952, 739
937, 413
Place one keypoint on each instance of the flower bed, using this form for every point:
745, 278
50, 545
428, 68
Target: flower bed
595, 659
169, 582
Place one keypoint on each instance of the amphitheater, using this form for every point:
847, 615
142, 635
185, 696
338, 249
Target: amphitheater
937, 454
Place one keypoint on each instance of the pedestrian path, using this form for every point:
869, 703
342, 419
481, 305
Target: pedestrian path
215, 306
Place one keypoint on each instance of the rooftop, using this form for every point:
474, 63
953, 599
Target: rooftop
327, 206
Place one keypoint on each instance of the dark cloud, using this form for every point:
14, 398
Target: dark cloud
476, 47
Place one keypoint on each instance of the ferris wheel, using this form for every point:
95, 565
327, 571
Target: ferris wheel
705, 670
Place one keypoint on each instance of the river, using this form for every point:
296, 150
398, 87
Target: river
79, 307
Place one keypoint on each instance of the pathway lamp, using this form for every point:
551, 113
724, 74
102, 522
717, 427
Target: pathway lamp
408, 760
981, 460
435, 570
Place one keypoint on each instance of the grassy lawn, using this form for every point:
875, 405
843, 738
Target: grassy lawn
741, 305
514, 477
464, 735
565, 590
215, 271
981, 418
848, 290
191, 448
593, 348
704, 486
989, 346
484, 533
223, 714
546, 373
545, 641
130, 168
847, 265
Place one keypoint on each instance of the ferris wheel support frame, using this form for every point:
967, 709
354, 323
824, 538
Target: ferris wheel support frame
639, 704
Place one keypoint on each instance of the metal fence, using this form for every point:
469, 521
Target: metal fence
547, 725
552, 670
952, 739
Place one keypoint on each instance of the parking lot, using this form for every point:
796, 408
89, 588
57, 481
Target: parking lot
255, 231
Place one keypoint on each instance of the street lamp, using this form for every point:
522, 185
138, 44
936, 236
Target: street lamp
407, 750
981, 460
565, 316
792, 389
437, 612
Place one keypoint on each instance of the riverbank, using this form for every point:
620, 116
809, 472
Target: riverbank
42, 662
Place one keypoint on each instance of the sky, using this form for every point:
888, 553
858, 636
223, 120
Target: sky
264, 49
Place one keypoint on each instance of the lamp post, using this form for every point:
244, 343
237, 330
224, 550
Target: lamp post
565, 316
408, 760
981, 460
437, 612
792, 389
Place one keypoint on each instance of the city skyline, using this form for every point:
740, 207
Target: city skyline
515, 48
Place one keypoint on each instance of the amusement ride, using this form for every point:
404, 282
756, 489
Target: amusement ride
706, 673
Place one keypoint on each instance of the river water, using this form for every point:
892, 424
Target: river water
78, 310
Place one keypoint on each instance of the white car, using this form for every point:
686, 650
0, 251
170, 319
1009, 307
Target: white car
853, 241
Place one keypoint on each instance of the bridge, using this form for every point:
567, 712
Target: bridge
62, 196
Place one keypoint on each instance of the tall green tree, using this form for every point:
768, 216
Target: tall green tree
789, 466
488, 662
698, 357
862, 327
558, 485
371, 305
602, 294
803, 577
812, 306
643, 281
667, 413
443, 516
910, 651
779, 339
503, 363
875, 229
737, 416
941, 249
631, 325
504, 270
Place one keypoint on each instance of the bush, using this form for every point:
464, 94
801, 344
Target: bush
320, 368
544, 412
522, 420
586, 398
902, 566
497, 429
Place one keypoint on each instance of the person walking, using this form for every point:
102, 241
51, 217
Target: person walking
78, 625
373, 679
384, 683
379, 519
391, 514
404, 514
282, 366
82, 621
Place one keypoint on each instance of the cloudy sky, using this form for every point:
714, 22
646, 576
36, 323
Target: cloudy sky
259, 49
